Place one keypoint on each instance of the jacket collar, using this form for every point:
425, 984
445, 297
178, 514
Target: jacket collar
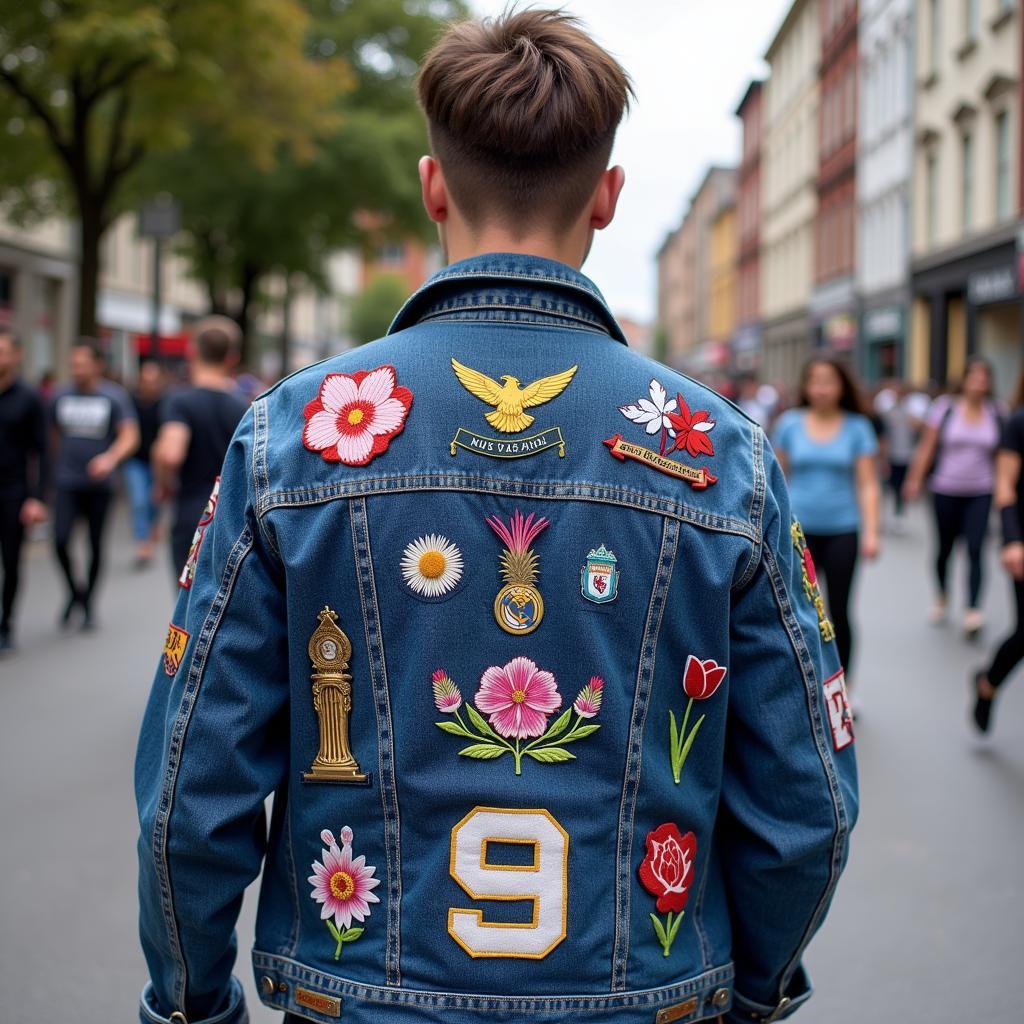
489, 277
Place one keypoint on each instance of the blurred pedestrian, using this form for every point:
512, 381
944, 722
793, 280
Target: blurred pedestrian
138, 474
196, 424
96, 429
1009, 499
23, 473
828, 449
757, 400
902, 411
956, 455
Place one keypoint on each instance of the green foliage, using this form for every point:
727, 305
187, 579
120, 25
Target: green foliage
372, 313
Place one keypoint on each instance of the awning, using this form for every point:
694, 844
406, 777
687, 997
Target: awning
118, 311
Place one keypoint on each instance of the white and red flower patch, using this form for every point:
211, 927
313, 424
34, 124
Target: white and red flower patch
356, 416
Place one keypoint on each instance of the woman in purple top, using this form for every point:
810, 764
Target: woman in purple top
959, 445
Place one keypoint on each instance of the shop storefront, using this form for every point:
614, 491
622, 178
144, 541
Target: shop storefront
972, 301
786, 346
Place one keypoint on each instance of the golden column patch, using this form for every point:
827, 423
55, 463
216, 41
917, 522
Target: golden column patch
329, 651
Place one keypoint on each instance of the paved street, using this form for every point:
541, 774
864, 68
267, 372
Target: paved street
927, 925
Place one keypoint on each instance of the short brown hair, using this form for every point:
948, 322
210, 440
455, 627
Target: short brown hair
216, 338
522, 112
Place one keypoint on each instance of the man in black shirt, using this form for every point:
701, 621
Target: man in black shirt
197, 423
23, 471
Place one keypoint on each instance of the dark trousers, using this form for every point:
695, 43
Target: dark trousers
955, 517
835, 558
897, 477
1011, 650
92, 507
12, 534
181, 544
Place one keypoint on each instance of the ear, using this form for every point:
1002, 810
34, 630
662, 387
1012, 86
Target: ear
433, 189
606, 197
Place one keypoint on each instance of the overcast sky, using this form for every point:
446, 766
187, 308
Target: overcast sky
690, 61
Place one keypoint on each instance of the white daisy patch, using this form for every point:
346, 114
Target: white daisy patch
431, 566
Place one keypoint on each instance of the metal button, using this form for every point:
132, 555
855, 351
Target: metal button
282, 987
720, 999
268, 985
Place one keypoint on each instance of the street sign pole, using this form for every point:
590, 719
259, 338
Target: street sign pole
160, 218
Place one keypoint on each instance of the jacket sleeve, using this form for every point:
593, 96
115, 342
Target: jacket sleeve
789, 796
213, 747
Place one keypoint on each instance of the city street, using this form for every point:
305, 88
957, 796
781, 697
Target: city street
926, 926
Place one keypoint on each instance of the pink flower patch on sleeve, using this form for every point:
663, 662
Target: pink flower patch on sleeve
355, 416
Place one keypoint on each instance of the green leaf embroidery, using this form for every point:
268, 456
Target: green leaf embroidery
483, 751
689, 742
335, 934
558, 726
578, 734
550, 755
455, 729
674, 746
480, 722
659, 928
351, 934
675, 927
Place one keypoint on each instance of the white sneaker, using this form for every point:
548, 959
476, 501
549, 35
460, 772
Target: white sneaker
974, 622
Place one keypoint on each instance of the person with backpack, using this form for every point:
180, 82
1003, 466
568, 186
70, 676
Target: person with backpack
516, 626
956, 456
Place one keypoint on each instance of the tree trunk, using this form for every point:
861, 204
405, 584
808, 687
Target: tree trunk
247, 286
89, 240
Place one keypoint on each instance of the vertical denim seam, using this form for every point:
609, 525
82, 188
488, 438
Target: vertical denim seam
757, 501
814, 709
260, 476
190, 694
634, 750
385, 735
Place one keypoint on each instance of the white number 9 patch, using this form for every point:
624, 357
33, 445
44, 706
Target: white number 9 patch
543, 880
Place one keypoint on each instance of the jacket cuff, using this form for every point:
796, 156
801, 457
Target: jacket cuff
234, 1013
747, 1011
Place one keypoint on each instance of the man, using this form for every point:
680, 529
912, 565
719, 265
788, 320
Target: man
513, 623
96, 431
196, 427
23, 471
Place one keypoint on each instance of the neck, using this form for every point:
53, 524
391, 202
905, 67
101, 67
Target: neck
6, 379
460, 243
205, 376
826, 413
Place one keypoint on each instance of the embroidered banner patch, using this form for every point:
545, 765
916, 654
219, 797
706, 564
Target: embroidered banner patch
840, 718
621, 449
509, 448
174, 648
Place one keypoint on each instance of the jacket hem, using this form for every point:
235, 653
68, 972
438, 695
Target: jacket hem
287, 972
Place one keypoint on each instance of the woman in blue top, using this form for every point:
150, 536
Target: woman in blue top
828, 449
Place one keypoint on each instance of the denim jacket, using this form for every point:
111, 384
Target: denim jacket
515, 626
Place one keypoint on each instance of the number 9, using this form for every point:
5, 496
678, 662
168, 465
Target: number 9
544, 882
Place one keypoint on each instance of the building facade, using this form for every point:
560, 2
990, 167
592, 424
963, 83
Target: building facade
746, 344
790, 193
966, 207
834, 299
723, 268
884, 155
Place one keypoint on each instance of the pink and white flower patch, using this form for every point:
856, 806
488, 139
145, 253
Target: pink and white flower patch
355, 416
344, 885
518, 697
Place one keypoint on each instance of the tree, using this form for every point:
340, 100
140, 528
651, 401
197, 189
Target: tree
93, 88
375, 307
245, 222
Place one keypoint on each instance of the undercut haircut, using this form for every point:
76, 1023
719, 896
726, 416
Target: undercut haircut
217, 337
522, 111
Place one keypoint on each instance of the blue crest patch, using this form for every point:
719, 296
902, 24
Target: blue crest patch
599, 577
